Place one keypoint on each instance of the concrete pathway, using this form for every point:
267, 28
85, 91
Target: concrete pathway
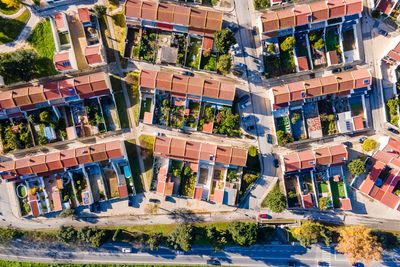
15, 15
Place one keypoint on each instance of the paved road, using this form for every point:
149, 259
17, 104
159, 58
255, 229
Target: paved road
259, 255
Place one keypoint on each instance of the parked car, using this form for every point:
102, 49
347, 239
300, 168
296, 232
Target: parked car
244, 98
269, 139
180, 252
126, 250
362, 139
349, 67
276, 163
154, 200
393, 130
246, 118
292, 264
264, 216
323, 263
250, 128
348, 144
337, 70
187, 73
358, 264
213, 262
383, 32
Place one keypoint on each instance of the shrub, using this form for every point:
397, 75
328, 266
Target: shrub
369, 145
318, 45
261, 4
243, 234
66, 234
253, 151
181, 237
223, 40
66, 213
224, 64
356, 167
288, 44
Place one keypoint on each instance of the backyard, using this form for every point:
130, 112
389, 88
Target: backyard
333, 43
11, 28
193, 55
327, 116
145, 106
286, 58
317, 45
292, 191
120, 101
272, 66
338, 191
94, 114
348, 40
192, 118
227, 123
146, 148
148, 45
208, 61
179, 41
297, 127
177, 114
133, 158
188, 181
16, 135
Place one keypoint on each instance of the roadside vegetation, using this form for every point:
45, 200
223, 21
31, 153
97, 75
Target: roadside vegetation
275, 200
10, 29
10, 7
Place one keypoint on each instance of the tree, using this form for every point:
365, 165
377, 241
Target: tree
12, 3
216, 238
283, 138
253, 151
226, 122
66, 234
181, 237
261, 4
7, 235
243, 234
19, 65
93, 236
318, 45
323, 203
224, 64
223, 40
356, 167
100, 11
288, 44
275, 200
271, 48
154, 240
369, 145
357, 243
311, 232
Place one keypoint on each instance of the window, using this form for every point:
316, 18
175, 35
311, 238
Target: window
366, 81
66, 64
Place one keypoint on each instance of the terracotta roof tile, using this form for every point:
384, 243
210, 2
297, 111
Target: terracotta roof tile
84, 15
319, 11
182, 15
302, 14
149, 10
165, 12
38, 164
164, 81
337, 8
286, 18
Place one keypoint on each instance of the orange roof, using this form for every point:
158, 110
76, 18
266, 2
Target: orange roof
62, 61
303, 63
292, 162
196, 18
302, 14
308, 202
198, 193
358, 123
93, 54
187, 85
59, 20
337, 8
218, 196
286, 18
195, 151
345, 204
83, 14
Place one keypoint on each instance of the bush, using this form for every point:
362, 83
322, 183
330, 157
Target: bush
224, 64
288, 44
311, 232
275, 200
66, 234
7, 234
318, 45
216, 238
181, 237
154, 240
223, 40
243, 234
66, 213
356, 167
284, 138
253, 151
369, 145
323, 203
375, 13
261, 4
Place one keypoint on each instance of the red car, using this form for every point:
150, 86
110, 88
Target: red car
264, 216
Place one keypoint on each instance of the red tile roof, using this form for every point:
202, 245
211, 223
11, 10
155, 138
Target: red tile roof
303, 14
59, 19
83, 14
218, 196
345, 204
386, 6
323, 85
62, 60
93, 54
308, 159
166, 81
308, 202
199, 20
303, 63
198, 193
358, 123
195, 151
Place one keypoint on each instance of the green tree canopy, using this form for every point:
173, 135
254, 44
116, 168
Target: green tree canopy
12, 3
66, 234
356, 167
275, 200
261, 4
154, 240
224, 64
243, 234
18, 65
223, 40
253, 151
216, 238
288, 43
319, 44
312, 232
181, 237
369, 145
100, 10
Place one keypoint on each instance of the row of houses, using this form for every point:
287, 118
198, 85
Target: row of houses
69, 178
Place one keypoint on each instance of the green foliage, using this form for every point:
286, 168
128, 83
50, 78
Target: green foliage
312, 232
271, 48
356, 167
318, 45
12, 3
227, 123
275, 200
312, 36
261, 4
375, 13
66, 213
223, 40
153, 241
93, 236
100, 10
7, 235
181, 238
323, 203
45, 117
295, 117
66, 234
393, 105
42, 40
20, 65
291, 194
253, 151
231, 176
288, 44
369, 145
216, 238
224, 64
116, 234
284, 138
10, 29
243, 234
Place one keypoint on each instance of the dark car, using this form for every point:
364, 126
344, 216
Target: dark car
393, 130
269, 139
250, 128
348, 144
362, 139
348, 67
358, 264
292, 264
213, 262
323, 263
383, 32
154, 200
244, 98
336, 70
187, 73
276, 163
246, 118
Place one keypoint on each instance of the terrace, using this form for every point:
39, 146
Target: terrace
349, 42
312, 119
48, 126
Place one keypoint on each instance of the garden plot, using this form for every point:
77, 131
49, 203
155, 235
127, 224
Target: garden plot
67, 192
16, 134
148, 45
327, 116
188, 179
177, 112
97, 185
162, 108
94, 115
323, 188
22, 194
226, 122
297, 125
206, 123
301, 48
192, 114
292, 191
176, 170
272, 66
317, 45
110, 113
132, 46
180, 41
193, 55
208, 60
286, 58
80, 185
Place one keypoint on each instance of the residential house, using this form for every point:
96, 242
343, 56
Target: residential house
207, 164
62, 179
386, 6
393, 56
383, 180
64, 57
314, 174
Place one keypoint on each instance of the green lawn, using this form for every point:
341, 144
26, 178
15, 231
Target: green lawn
338, 191
146, 145
8, 11
36, 264
120, 101
11, 28
133, 93
323, 187
130, 146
